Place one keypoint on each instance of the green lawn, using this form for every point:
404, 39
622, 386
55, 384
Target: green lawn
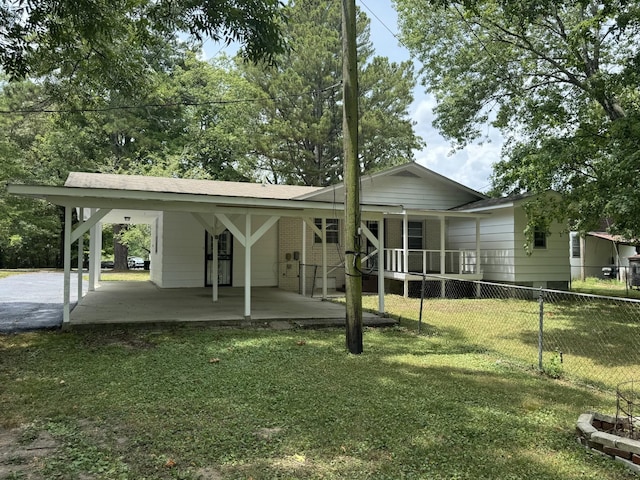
610, 288
599, 340
238, 404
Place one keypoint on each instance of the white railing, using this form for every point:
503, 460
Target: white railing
428, 261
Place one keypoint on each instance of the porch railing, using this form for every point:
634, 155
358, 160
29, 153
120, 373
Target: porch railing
428, 261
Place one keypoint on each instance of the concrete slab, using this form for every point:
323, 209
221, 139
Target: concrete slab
144, 302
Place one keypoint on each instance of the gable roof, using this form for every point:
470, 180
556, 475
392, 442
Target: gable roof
406, 169
491, 203
182, 185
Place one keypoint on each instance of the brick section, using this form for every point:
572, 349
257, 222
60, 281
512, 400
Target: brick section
622, 449
290, 241
616, 452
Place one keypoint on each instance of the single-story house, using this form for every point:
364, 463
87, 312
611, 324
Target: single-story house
215, 233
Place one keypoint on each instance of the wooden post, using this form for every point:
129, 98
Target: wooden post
66, 309
351, 178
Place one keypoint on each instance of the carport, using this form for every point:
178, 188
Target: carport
215, 205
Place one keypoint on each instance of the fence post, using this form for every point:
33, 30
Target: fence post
421, 302
540, 329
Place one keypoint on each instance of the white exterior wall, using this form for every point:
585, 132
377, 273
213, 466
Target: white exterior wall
544, 266
264, 256
497, 246
408, 190
182, 251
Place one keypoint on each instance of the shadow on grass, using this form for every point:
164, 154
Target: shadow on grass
199, 396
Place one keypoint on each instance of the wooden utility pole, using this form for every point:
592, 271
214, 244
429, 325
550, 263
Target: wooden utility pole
351, 178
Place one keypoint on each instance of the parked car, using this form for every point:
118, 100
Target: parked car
106, 264
136, 262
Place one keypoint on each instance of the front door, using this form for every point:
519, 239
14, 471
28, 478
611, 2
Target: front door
225, 259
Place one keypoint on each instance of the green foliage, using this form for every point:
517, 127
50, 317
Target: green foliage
207, 403
554, 368
558, 78
301, 137
102, 39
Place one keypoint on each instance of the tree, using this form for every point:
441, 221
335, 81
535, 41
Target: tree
558, 78
67, 37
301, 137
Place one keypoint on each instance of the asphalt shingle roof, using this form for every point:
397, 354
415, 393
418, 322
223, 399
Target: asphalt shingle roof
190, 186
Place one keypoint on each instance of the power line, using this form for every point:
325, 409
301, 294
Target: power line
383, 24
166, 105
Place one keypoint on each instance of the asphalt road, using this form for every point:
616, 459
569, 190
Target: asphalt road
33, 301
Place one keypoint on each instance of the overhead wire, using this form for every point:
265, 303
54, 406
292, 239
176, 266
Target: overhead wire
165, 105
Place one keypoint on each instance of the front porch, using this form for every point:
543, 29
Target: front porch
145, 303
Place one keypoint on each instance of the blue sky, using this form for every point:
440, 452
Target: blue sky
470, 166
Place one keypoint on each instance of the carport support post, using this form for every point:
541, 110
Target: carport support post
93, 253
214, 261
324, 258
80, 253
247, 268
381, 266
66, 310
303, 266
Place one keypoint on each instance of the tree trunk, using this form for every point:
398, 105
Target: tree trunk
120, 251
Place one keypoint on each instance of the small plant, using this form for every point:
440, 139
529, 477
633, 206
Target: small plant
554, 367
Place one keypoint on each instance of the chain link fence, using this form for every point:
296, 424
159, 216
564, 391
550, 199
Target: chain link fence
588, 338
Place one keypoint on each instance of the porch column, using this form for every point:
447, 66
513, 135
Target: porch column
93, 253
324, 258
443, 256
247, 268
303, 266
477, 270
405, 252
214, 261
80, 253
66, 309
98, 255
381, 266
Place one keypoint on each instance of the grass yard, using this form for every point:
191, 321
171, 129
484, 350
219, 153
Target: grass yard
188, 403
123, 275
610, 288
599, 340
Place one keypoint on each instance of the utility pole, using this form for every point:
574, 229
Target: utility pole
353, 271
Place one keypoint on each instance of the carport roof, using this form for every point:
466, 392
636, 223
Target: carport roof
183, 185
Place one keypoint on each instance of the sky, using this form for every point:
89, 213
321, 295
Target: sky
470, 166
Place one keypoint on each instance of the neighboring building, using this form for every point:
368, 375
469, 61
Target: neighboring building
414, 221
600, 255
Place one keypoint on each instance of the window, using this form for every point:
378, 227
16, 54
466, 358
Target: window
575, 245
333, 232
373, 261
539, 237
415, 236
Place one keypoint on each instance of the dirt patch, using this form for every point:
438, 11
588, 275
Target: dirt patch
22, 452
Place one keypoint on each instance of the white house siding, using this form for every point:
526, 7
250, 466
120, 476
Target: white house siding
264, 256
497, 249
546, 267
408, 190
182, 251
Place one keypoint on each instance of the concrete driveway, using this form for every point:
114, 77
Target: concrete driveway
33, 301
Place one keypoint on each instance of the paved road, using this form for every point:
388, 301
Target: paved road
33, 301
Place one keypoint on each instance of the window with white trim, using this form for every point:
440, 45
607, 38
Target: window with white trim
333, 230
